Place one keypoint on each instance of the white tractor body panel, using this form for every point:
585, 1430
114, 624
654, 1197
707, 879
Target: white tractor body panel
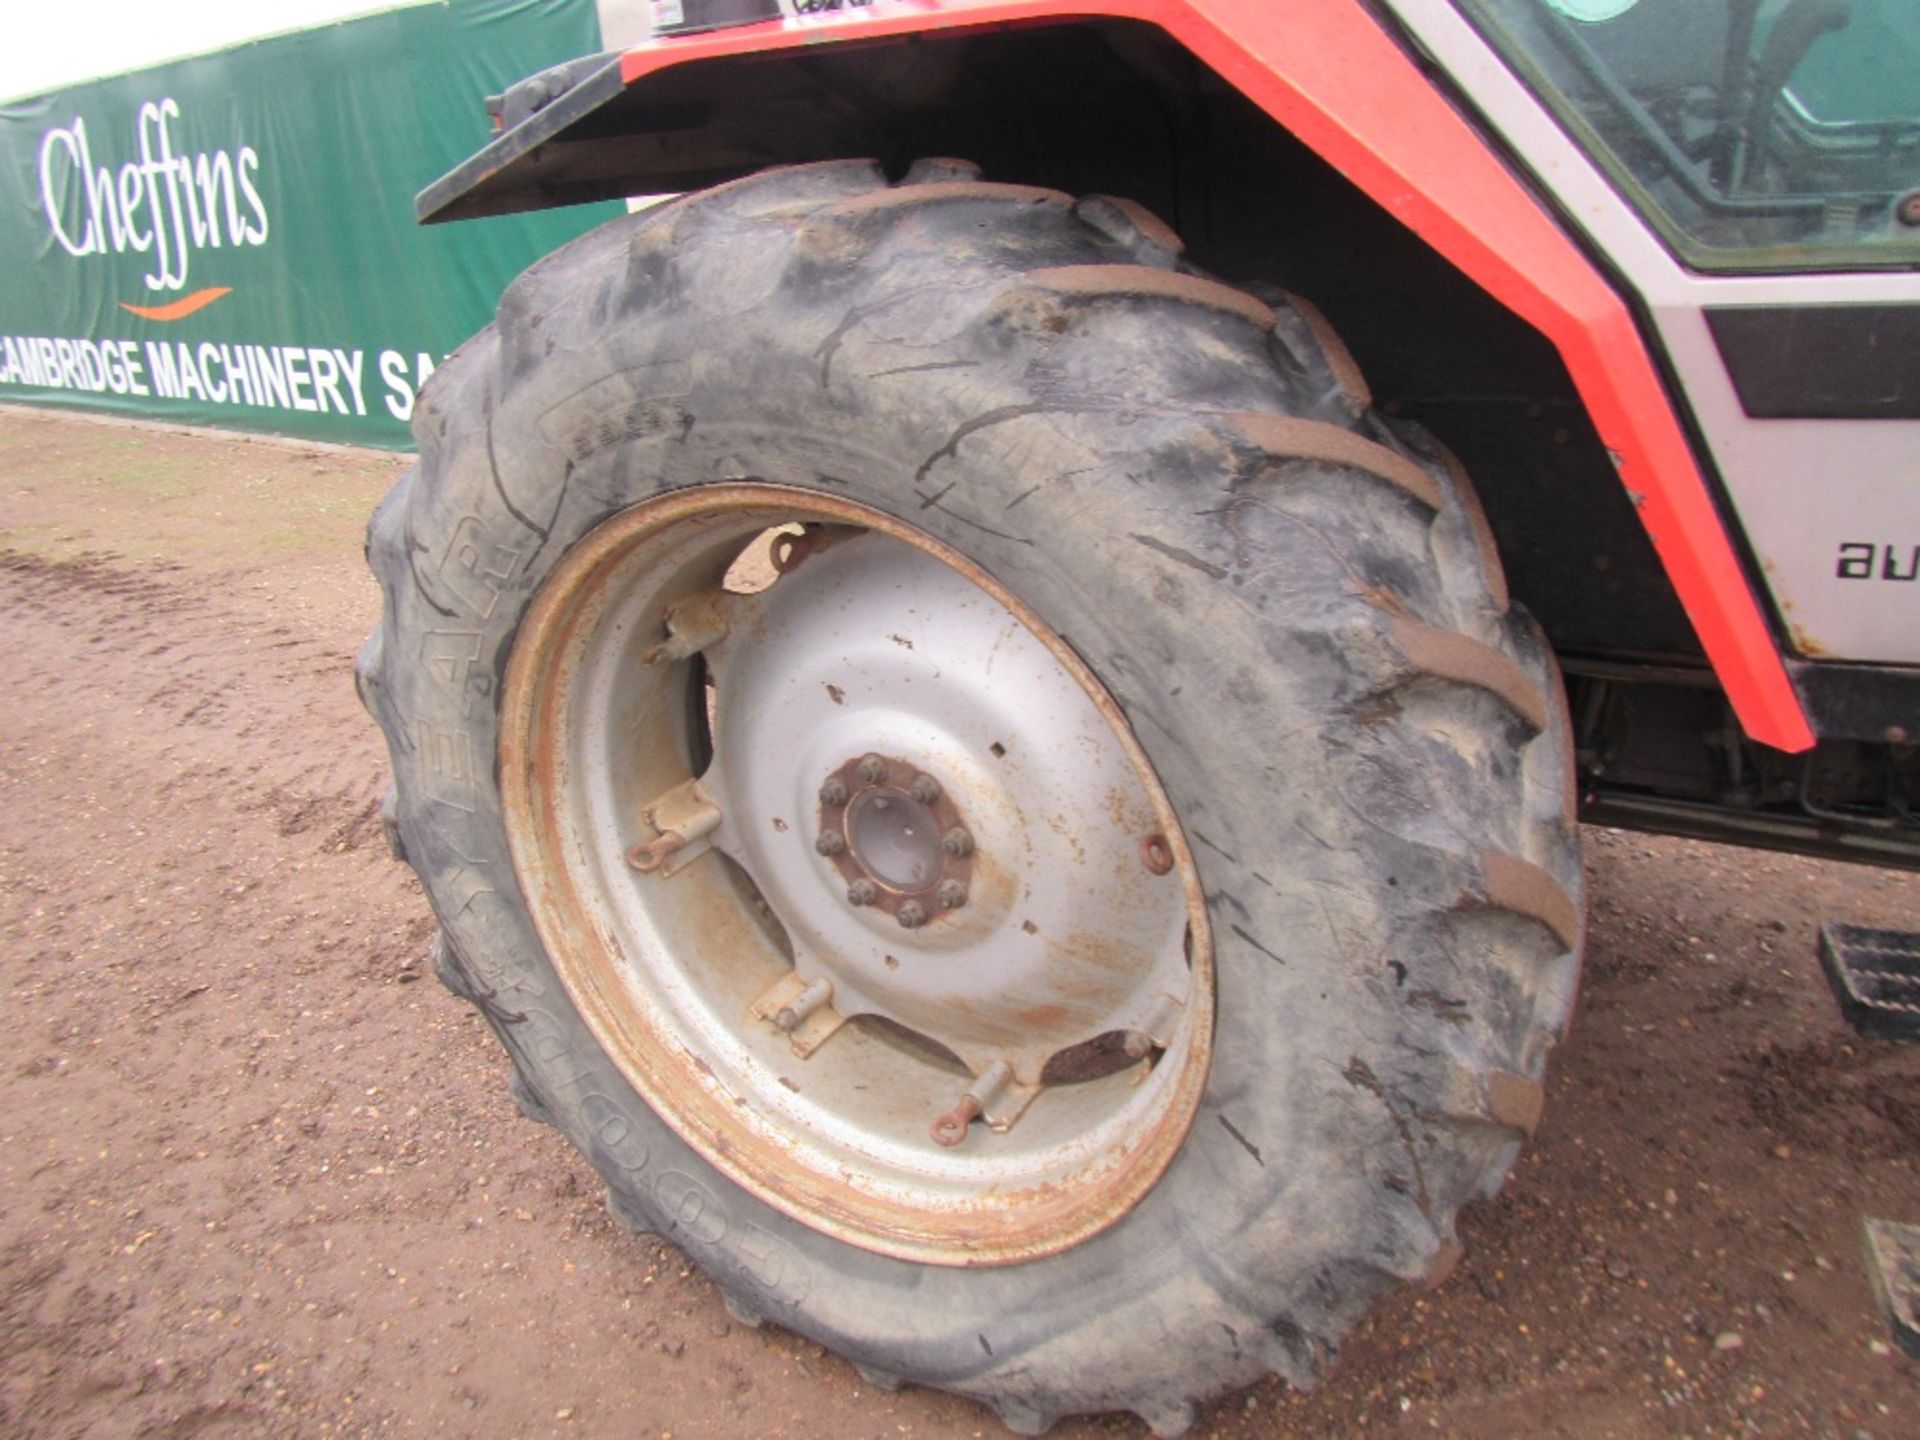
1814, 498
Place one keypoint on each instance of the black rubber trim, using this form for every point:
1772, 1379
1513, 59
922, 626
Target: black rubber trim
1822, 362
1859, 702
452, 196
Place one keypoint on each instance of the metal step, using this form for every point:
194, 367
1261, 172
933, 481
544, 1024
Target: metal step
1875, 975
1893, 1265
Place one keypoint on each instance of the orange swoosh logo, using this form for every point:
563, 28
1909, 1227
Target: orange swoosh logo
180, 308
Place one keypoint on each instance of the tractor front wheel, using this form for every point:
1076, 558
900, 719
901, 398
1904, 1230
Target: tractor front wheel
1002, 808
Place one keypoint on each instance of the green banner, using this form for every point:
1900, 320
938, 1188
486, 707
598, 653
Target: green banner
229, 240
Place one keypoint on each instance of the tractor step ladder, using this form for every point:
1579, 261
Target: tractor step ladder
1893, 1267
1875, 975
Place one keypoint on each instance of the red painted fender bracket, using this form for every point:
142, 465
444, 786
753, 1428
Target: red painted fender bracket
1326, 71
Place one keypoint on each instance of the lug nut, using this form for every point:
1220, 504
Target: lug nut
873, 769
957, 843
911, 915
831, 842
834, 792
862, 892
951, 895
925, 789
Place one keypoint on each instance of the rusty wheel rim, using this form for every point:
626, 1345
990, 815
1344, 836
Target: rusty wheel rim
857, 873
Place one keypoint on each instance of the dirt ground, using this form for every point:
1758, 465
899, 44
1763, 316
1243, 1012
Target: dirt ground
259, 1174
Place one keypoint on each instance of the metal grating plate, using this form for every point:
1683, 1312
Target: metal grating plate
1875, 976
1893, 1265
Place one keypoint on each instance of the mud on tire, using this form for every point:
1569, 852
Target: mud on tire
1296, 605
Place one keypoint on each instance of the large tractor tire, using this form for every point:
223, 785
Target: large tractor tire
1001, 806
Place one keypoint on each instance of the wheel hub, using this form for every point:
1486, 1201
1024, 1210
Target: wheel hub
898, 830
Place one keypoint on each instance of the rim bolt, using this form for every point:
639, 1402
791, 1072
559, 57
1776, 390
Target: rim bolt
951, 894
957, 843
873, 769
834, 792
912, 915
831, 842
1156, 854
862, 892
951, 1128
1136, 1044
925, 789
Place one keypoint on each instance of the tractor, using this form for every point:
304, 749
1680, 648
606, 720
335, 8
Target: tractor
994, 698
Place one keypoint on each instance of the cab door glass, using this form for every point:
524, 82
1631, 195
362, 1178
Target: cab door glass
1753, 134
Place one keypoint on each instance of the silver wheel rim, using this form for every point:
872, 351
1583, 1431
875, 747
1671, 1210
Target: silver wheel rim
893, 923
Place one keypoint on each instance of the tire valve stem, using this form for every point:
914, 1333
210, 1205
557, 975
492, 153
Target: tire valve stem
951, 1128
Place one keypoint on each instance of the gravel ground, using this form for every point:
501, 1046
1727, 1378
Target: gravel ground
259, 1175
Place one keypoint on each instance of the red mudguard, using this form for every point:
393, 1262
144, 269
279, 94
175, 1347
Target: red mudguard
1326, 71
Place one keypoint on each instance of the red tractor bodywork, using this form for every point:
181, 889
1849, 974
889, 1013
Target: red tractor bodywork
1327, 72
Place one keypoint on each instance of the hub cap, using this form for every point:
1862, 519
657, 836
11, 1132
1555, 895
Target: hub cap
858, 874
